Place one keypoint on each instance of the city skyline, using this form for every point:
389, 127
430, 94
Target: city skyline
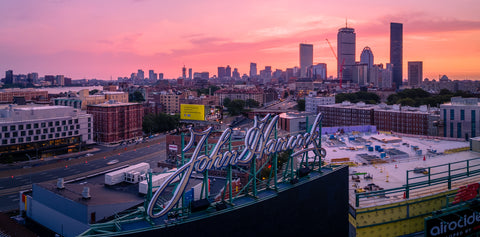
112, 39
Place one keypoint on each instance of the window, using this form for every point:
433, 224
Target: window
38, 131
78, 126
459, 130
12, 127
59, 129
50, 136
45, 130
30, 132
462, 114
70, 133
451, 129
20, 139
50, 124
64, 134
20, 127
23, 133
72, 127
76, 120
29, 126
4, 141
35, 138
57, 123
452, 114
35, 125
7, 135
64, 122
44, 137
70, 121
474, 125
57, 134
15, 134
12, 141
52, 129
65, 128
29, 139
4, 128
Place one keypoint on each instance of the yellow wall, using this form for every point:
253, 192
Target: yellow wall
401, 218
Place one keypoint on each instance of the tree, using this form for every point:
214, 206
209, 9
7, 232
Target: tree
236, 107
226, 102
136, 96
154, 123
406, 102
301, 105
93, 92
252, 103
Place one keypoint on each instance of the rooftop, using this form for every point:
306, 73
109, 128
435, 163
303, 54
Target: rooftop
386, 163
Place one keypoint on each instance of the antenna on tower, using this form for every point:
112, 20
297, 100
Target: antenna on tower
346, 23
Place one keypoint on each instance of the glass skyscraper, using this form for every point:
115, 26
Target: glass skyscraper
346, 52
396, 52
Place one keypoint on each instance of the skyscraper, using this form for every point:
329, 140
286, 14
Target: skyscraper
190, 73
396, 52
306, 58
415, 73
184, 72
140, 75
9, 77
366, 57
253, 70
221, 72
228, 71
345, 52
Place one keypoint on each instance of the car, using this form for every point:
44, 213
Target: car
112, 162
88, 154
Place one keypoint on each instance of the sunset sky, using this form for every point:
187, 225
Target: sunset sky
112, 38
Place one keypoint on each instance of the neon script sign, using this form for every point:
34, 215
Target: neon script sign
257, 144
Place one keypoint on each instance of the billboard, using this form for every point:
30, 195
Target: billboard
463, 222
192, 112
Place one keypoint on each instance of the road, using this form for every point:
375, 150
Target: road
13, 181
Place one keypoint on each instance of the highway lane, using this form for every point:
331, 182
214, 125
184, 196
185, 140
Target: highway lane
10, 186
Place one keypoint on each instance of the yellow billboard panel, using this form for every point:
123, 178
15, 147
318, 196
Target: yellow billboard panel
192, 112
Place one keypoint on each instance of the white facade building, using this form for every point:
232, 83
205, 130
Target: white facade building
311, 102
27, 124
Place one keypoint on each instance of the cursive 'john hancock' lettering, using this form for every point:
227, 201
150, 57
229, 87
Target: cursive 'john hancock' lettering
257, 144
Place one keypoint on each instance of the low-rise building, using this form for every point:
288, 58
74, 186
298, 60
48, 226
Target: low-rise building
461, 118
40, 130
311, 102
116, 121
406, 119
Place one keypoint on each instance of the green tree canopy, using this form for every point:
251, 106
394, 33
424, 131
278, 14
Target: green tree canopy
136, 96
236, 107
367, 97
301, 105
252, 103
155, 123
93, 92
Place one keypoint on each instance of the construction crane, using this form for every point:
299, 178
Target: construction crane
340, 74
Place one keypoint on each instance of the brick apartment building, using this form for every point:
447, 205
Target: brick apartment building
116, 121
409, 120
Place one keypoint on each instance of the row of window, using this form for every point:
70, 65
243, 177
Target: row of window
39, 131
37, 125
37, 138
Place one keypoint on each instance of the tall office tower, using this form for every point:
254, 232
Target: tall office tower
345, 52
366, 57
415, 73
306, 58
9, 77
235, 74
151, 75
228, 71
396, 52
190, 73
184, 72
140, 75
221, 72
253, 70
32, 77
60, 80
160, 76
